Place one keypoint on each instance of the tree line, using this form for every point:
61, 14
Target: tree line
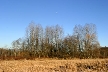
50, 42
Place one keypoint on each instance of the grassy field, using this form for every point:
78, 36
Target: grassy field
54, 65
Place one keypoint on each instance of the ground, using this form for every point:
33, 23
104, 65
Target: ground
54, 65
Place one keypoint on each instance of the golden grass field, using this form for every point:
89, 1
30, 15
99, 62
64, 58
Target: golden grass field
54, 65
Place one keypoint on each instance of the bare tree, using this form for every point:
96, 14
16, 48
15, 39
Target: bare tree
50, 42
16, 46
90, 38
86, 38
34, 38
78, 35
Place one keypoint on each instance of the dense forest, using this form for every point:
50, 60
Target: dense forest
50, 42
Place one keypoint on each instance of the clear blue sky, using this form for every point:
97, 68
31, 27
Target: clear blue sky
15, 15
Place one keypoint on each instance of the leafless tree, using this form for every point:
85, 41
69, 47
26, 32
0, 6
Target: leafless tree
86, 38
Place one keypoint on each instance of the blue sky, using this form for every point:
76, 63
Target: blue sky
15, 16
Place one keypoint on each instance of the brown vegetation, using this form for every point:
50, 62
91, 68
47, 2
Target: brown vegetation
54, 65
104, 52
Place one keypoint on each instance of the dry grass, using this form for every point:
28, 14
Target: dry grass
53, 65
